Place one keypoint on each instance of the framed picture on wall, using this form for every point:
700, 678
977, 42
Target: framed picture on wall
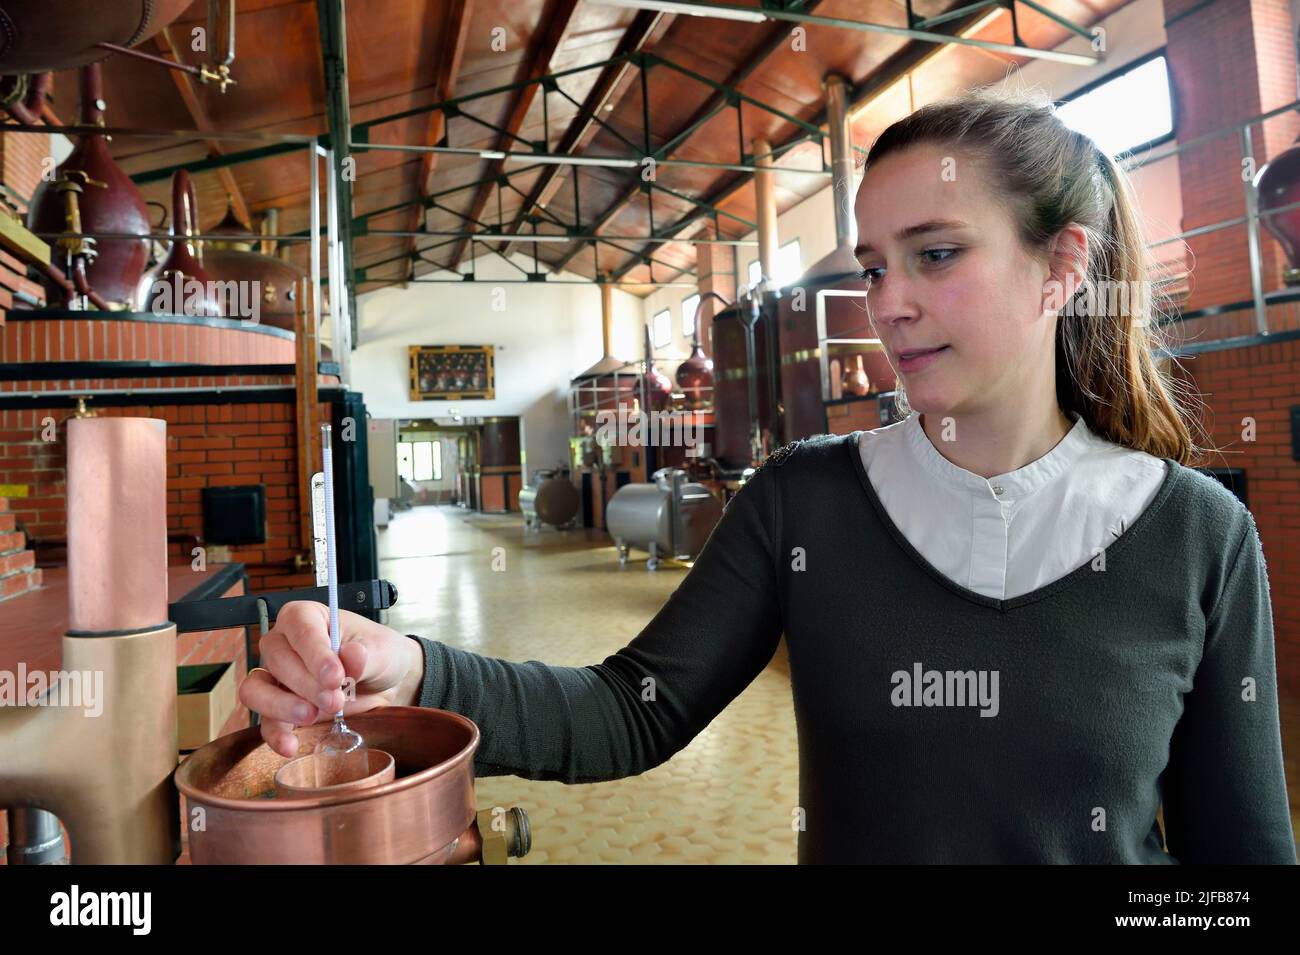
441, 372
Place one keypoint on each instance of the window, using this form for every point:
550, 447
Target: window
663, 328
420, 460
423, 461
789, 265
1130, 109
689, 307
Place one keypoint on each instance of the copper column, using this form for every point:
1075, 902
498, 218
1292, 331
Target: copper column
104, 766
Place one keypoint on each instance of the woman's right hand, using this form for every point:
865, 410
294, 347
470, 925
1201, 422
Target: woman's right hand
304, 679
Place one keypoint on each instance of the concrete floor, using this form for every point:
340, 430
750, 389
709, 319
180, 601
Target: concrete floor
728, 797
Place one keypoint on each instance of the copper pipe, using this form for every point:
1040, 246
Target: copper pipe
58, 278
83, 285
28, 109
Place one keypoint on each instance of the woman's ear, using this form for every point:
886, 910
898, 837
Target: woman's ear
1067, 264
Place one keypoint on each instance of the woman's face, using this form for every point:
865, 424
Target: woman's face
948, 272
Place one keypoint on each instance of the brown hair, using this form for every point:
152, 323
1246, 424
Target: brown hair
1050, 176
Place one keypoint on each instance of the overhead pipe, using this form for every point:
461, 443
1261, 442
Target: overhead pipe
765, 209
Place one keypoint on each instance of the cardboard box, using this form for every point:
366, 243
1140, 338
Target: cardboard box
205, 698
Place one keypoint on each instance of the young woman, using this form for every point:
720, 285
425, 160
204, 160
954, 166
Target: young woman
1019, 622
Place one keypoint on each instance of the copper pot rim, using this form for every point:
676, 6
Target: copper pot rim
199, 797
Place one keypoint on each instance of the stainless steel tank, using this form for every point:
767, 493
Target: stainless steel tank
550, 498
670, 517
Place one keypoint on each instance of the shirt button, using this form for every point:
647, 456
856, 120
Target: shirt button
998, 488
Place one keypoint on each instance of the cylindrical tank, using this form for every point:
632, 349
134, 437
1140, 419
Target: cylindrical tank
35, 38
550, 498
271, 282
107, 201
670, 517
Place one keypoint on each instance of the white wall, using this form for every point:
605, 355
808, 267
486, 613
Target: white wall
544, 335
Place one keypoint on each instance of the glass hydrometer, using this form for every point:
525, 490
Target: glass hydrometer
341, 756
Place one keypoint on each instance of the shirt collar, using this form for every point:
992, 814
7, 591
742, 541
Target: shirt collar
1014, 484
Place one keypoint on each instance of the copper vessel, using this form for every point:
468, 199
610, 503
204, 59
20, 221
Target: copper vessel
90, 193
273, 281
426, 815
35, 38
695, 376
655, 384
855, 381
170, 286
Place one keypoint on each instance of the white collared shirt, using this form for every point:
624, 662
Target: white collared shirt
1013, 533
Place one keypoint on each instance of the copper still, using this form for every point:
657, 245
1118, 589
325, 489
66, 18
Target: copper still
273, 281
695, 375
90, 194
657, 388
34, 38
179, 284
234, 814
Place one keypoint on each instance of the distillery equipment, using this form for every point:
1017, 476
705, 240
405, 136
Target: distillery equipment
235, 815
273, 281
549, 498
179, 284
670, 517
91, 194
36, 41
113, 782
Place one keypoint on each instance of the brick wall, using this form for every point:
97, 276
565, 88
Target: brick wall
22, 160
208, 446
1262, 383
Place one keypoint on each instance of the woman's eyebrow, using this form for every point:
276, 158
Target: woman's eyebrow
934, 225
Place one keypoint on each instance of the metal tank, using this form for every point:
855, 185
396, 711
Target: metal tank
550, 498
670, 517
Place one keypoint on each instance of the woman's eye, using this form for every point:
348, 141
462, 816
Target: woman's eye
948, 253
875, 275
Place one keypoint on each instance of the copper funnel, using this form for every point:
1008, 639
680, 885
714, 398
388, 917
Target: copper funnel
235, 816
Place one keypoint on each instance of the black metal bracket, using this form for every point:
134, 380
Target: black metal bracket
222, 612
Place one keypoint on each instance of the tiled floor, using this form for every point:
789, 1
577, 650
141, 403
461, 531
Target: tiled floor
562, 599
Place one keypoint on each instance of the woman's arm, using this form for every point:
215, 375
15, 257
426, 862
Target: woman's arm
1225, 798
630, 713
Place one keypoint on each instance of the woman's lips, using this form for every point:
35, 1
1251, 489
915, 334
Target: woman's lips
922, 360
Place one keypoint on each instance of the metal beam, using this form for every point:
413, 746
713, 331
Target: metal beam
555, 20
634, 38
771, 12
332, 17
775, 38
